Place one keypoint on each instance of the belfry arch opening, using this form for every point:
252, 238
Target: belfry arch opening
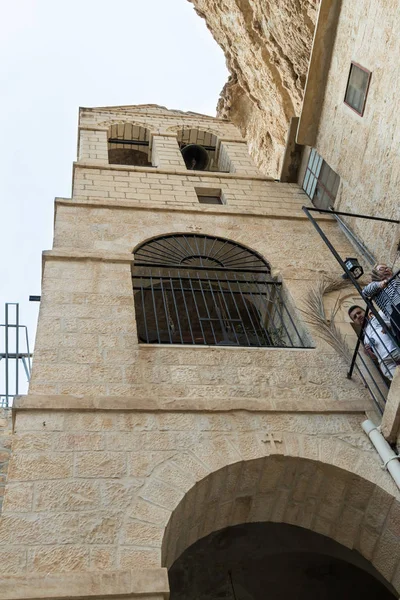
205, 290
129, 144
200, 150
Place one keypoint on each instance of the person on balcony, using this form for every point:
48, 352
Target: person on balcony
376, 340
386, 294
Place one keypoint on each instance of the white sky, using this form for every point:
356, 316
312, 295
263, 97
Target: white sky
57, 55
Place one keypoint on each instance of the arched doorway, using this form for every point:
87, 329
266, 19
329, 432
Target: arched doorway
315, 523
273, 561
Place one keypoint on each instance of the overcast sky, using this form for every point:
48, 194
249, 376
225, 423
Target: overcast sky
57, 55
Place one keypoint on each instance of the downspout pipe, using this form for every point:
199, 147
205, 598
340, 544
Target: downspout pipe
390, 458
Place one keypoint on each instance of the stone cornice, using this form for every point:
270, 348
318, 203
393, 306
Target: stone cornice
284, 213
127, 110
98, 255
68, 403
104, 584
92, 128
185, 172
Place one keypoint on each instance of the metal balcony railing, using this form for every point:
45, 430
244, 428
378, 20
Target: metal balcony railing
377, 350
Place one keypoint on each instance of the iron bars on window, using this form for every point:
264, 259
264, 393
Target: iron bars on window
212, 307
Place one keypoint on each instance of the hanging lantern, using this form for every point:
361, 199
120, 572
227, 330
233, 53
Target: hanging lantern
354, 267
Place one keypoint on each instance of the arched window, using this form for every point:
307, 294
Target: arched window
198, 289
199, 149
129, 144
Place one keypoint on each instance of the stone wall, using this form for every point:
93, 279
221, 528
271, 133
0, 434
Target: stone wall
267, 47
363, 150
87, 340
94, 490
5, 446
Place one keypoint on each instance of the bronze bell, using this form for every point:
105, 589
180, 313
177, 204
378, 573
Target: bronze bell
196, 157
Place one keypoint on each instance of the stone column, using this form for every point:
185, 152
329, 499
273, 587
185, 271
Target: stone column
165, 152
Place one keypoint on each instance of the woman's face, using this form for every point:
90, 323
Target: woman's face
384, 271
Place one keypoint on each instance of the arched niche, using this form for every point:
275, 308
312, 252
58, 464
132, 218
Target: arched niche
199, 149
129, 144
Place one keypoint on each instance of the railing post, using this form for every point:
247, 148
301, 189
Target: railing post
356, 349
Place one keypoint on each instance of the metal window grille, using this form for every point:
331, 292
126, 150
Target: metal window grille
320, 182
357, 88
201, 290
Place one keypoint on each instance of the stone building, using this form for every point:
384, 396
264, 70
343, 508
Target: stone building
188, 429
181, 412
350, 118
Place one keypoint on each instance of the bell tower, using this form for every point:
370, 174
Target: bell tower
181, 412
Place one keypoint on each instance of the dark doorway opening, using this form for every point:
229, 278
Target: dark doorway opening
274, 561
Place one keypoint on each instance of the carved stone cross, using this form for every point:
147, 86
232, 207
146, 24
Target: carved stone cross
269, 437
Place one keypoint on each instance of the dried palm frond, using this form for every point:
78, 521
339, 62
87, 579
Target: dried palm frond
324, 326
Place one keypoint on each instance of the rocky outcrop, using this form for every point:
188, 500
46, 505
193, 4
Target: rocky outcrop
267, 45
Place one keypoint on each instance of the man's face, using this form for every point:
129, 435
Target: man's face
384, 271
357, 315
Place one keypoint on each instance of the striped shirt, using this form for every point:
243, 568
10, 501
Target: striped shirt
386, 298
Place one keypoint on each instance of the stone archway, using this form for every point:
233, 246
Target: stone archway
310, 494
275, 561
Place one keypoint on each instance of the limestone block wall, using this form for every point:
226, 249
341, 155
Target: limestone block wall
158, 118
234, 157
364, 150
163, 128
166, 153
87, 341
5, 446
94, 490
158, 188
92, 145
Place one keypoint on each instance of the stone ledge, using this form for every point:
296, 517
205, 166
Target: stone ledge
67, 403
221, 210
92, 128
98, 255
146, 582
129, 109
107, 166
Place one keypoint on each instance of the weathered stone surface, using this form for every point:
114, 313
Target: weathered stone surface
70, 495
5, 445
18, 497
24, 466
100, 464
267, 47
49, 559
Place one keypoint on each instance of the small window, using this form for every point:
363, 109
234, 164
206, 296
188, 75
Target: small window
209, 196
320, 183
357, 88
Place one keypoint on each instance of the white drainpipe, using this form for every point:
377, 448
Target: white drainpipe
390, 459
